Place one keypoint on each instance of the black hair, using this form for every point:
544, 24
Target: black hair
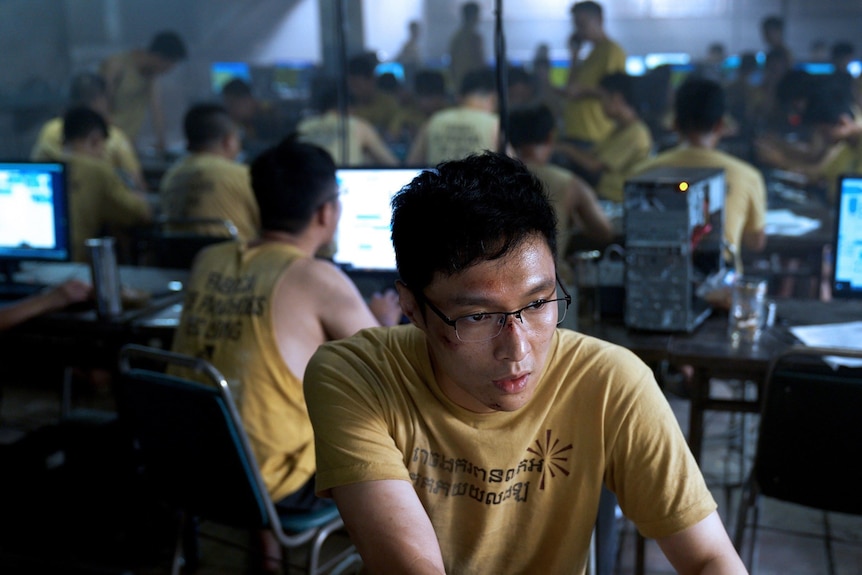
205, 124
480, 81
168, 45
465, 211
388, 82
699, 105
825, 106
794, 86
236, 88
81, 121
519, 75
362, 65
748, 63
622, 84
772, 23
85, 88
291, 180
588, 7
430, 83
531, 125
470, 11
841, 49
324, 93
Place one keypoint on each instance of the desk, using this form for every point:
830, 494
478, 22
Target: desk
76, 337
710, 353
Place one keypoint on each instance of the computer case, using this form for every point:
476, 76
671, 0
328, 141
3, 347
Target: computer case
674, 221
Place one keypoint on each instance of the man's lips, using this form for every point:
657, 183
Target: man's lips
514, 384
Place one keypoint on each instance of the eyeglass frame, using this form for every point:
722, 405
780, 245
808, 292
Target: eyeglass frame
517, 313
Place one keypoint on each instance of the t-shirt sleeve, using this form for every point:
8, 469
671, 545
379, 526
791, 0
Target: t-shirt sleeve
353, 441
757, 210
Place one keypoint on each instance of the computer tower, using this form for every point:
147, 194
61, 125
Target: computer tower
674, 221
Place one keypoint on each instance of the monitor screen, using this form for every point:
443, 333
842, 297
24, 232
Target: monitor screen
34, 221
363, 237
223, 72
847, 247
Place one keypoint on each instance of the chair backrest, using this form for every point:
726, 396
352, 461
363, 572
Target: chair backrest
173, 243
810, 435
190, 441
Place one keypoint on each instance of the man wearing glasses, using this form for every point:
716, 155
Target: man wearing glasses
478, 438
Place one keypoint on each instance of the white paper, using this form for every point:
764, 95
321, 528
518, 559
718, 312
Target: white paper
786, 223
846, 335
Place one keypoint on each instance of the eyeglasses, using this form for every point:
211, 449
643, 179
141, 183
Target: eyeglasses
536, 316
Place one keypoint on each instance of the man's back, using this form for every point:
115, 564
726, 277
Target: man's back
204, 185
583, 117
457, 132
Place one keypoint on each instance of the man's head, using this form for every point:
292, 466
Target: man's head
470, 13
293, 183
841, 54
772, 28
588, 17
85, 131
522, 86
166, 49
209, 128
531, 126
360, 76
828, 111
699, 106
89, 89
430, 90
239, 100
479, 83
618, 95
474, 238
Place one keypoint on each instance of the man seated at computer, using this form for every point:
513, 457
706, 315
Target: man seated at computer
607, 165
699, 115
364, 145
258, 310
532, 134
89, 89
208, 182
99, 201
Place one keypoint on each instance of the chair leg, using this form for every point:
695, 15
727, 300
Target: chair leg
827, 541
177, 559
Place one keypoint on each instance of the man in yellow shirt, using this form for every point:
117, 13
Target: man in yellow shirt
258, 310
88, 89
699, 111
131, 80
584, 120
208, 182
610, 162
99, 201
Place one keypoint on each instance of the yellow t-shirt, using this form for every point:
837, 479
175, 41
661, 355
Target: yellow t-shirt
204, 185
227, 320
620, 152
506, 492
584, 118
325, 131
846, 160
131, 96
118, 148
457, 132
745, 196
378, 112
98, 201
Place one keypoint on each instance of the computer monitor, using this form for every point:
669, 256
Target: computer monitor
34, 216
363, 239
847, 245
223, 72
816, 68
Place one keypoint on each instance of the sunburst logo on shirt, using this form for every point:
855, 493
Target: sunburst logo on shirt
554, 455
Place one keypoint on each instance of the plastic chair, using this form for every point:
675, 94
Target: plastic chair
174, 242
808, 441
195, 454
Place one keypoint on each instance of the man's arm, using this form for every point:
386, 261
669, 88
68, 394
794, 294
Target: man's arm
703, 548
390, 528
596, 224
374, 146
58, 297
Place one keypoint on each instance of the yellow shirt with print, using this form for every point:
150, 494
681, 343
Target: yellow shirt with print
620, 152
131, 96
584, 118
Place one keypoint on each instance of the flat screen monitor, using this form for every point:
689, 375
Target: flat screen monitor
847, 246
816, 68
363, 239
34, 215
223, 72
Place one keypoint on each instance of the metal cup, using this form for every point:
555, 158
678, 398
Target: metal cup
106, 276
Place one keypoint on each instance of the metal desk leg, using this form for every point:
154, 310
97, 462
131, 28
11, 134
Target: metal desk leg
699, 396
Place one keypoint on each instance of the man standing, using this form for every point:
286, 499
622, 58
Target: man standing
584, 120
131, 80
466, 47
478, 439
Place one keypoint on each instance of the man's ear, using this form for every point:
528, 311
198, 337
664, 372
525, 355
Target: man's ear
409, 305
